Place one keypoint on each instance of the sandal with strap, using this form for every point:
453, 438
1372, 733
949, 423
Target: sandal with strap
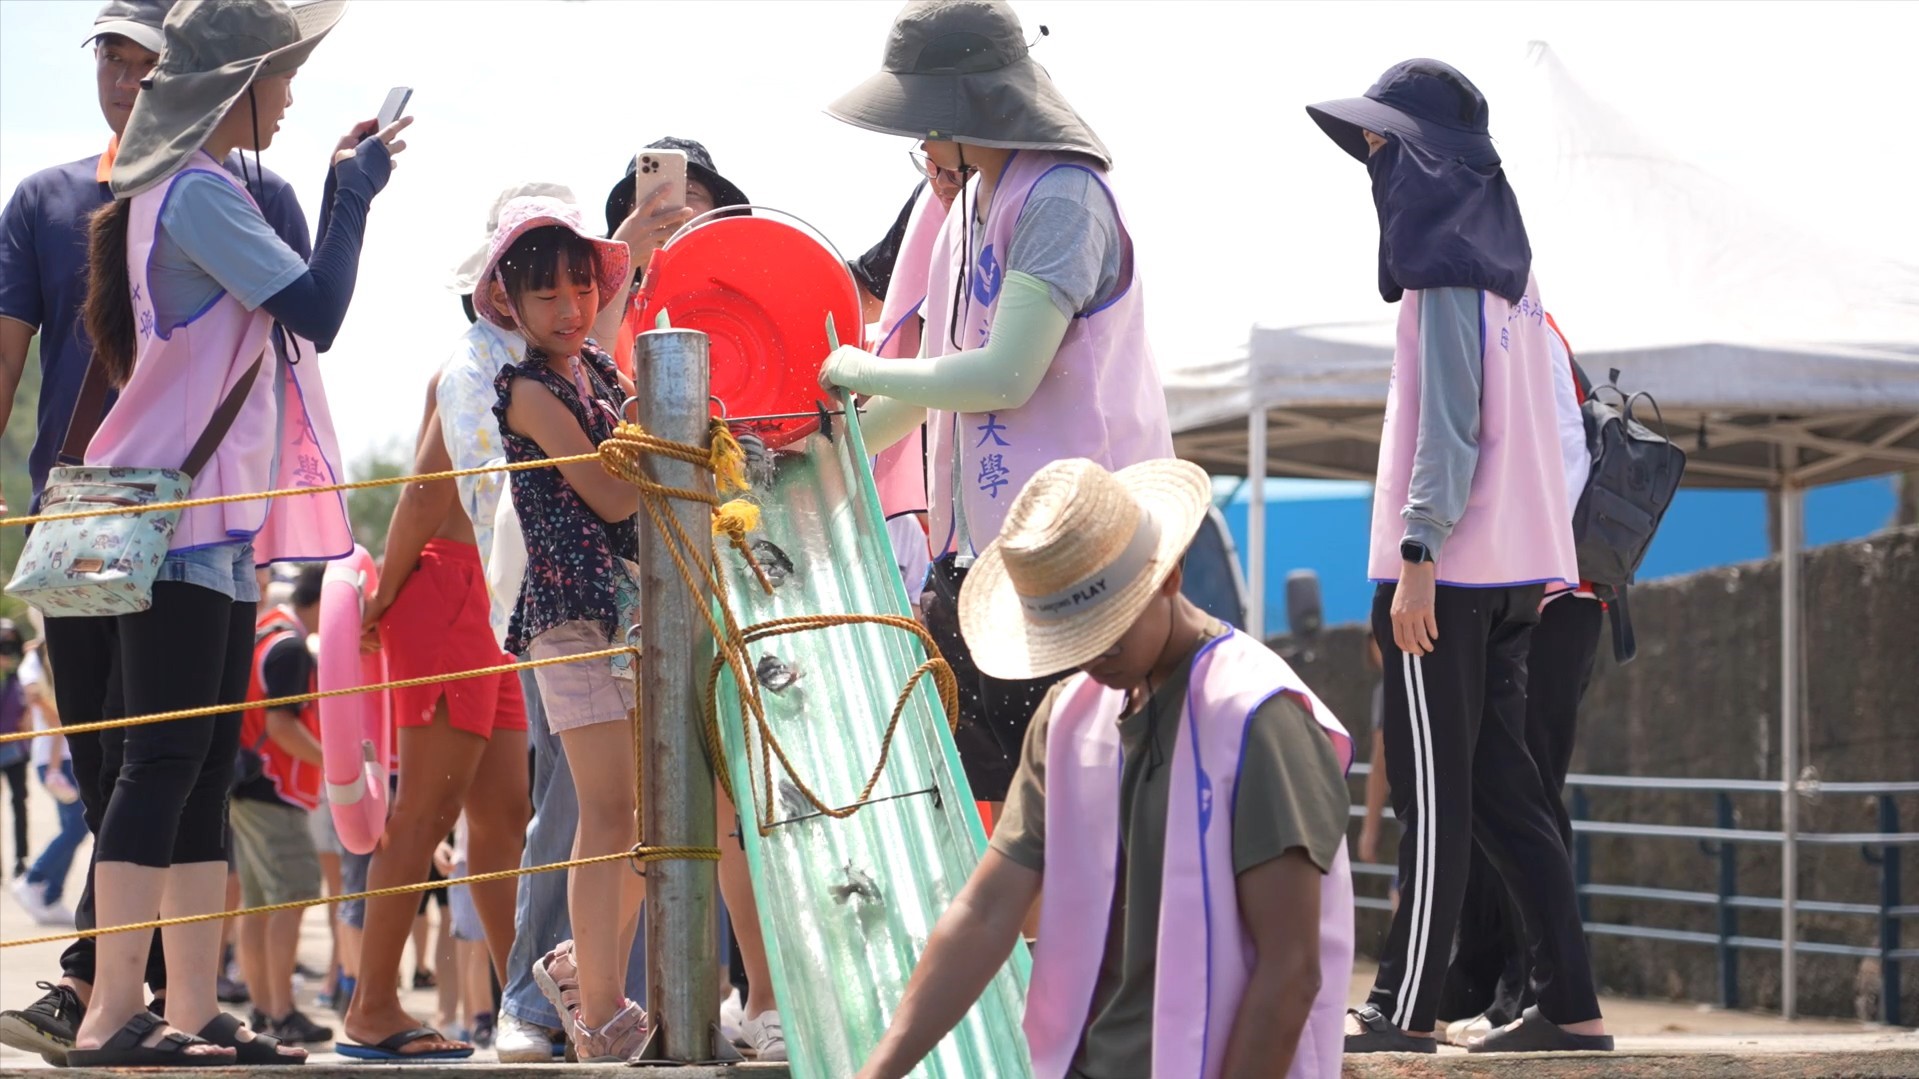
1381, 1036
259, 1049
1534, 1033
559, 980
124, 1050
614, 1043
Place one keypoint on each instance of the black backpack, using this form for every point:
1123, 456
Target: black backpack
1635, 474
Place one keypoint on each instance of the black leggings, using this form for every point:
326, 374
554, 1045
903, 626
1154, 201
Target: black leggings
168, 803
16, 774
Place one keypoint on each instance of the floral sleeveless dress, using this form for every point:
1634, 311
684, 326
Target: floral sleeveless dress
578, 567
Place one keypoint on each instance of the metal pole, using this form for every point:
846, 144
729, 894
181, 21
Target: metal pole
1792, 519
1256, 523
671, 377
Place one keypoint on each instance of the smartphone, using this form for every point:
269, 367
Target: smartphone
657, 167
395, 106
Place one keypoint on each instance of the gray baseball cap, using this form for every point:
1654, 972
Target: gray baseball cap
138, 21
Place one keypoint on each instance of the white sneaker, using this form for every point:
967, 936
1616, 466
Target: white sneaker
733, 1019
518, 1041
33, 899
1464, 1032
764, 1036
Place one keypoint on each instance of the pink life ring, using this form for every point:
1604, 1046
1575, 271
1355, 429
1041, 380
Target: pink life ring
355, 730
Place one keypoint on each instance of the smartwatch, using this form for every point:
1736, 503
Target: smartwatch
1415, 551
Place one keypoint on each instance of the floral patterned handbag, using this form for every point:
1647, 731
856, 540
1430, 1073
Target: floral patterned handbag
105, 564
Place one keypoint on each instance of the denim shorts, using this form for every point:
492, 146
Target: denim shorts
227, 568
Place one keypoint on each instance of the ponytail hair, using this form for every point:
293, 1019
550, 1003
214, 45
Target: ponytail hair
109, 310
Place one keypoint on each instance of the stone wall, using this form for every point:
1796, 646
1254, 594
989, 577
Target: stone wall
1702, 700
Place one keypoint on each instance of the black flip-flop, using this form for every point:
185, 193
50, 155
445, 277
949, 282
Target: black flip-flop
389, 1050
1537, 1034
260, 1049
1381, 1036
124, 1050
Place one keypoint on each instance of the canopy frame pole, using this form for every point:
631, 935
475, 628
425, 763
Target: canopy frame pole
1256, 523
1792, 518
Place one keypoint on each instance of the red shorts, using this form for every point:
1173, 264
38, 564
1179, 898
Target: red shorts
438, 625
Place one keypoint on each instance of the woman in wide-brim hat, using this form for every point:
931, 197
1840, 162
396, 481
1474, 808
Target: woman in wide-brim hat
1035, 342
206, 320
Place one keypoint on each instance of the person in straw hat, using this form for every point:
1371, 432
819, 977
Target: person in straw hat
1471, 532
1035, 343
1219, 942
192, 300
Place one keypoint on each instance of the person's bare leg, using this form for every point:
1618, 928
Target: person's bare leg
193, 950
125, 893
437, 765
283, 954
330, 873
497, 808
446, 962
603, 899
250, 946
476, 980
736, 887
422, 934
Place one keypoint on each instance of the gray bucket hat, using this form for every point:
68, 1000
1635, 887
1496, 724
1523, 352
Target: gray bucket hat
214, 50
136, 20
958, 70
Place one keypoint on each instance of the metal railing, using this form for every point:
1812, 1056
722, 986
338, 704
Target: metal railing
1881, 849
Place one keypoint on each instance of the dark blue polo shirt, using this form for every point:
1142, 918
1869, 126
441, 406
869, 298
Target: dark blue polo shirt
43, 280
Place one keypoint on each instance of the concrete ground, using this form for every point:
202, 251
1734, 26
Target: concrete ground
1656, 1039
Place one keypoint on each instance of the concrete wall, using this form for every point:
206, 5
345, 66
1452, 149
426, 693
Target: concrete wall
1702, 700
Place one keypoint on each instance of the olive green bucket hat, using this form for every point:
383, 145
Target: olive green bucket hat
959, 70
214, 50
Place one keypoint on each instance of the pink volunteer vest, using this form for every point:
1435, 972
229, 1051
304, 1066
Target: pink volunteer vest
1515, 529
1101, 396
1204, 957
179, 380
900, 471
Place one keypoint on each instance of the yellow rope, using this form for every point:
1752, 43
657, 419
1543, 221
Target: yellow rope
637, 854
304, 698
289, 492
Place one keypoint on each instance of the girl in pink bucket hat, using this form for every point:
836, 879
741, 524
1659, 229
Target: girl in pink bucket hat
546, 278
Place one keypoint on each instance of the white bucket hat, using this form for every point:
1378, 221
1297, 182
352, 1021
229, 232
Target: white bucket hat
1081, 554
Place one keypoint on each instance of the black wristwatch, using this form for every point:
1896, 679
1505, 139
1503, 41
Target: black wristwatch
1415, 551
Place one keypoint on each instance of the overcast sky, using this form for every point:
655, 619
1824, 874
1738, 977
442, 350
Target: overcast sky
1243, 212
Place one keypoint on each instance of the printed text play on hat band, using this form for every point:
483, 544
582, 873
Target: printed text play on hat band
1091, 591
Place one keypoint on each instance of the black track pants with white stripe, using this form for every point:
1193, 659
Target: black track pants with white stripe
1460, 771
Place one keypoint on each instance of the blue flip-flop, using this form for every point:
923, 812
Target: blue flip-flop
388, 1051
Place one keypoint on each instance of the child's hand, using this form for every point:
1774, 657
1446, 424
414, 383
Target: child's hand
443, 858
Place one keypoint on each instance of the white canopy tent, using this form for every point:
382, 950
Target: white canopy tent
1780, 360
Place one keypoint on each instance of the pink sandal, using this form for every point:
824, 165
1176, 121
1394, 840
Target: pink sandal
617, 1042
559, 980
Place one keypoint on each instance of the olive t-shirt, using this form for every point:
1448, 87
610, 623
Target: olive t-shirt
1291, 794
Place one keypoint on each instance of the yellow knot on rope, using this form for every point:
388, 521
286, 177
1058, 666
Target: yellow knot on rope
728, 460
735, 519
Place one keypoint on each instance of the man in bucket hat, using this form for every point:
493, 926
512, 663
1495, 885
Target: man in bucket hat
1220, 941
1035, 330
1470, 531
43, 287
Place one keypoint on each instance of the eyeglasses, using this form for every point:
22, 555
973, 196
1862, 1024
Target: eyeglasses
923, 167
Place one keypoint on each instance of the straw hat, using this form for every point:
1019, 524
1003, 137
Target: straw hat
215, 49
466, 276
528, 212
1081, 554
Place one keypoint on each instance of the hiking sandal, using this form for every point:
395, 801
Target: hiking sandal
614, 1043
559, 980
124, 1050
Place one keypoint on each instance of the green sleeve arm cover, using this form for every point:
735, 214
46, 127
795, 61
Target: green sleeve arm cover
885, 421
1027, 331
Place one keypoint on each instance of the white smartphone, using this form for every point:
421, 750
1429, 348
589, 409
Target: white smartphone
657, 167
395, 106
